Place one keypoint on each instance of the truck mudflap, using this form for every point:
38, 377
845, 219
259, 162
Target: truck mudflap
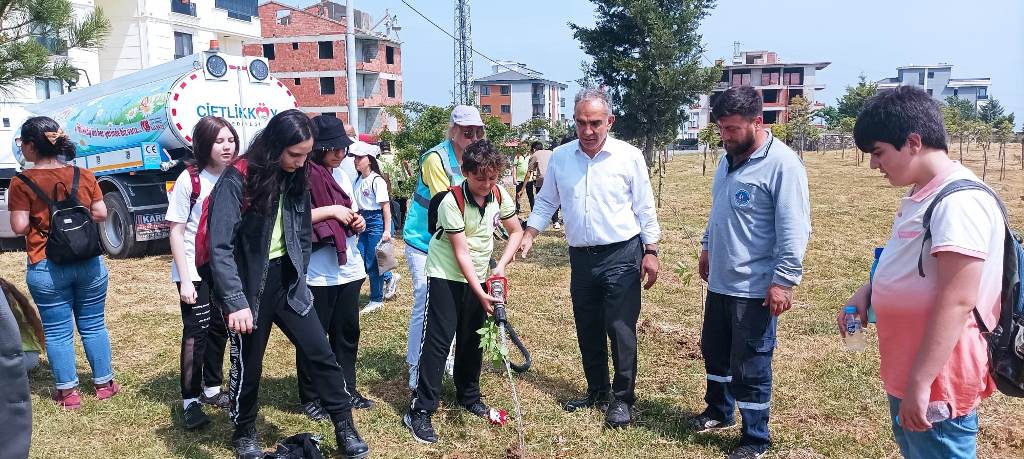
145, 199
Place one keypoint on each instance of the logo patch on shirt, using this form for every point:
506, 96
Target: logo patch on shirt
496, 221
742, 198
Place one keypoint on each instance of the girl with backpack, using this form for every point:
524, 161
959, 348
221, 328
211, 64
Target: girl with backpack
71, 292
260, 239
375, 207
336, 273
203, 334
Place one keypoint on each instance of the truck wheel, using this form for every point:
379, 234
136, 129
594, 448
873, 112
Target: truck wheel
117, 233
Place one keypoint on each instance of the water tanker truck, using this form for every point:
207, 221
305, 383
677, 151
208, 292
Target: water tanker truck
135, 134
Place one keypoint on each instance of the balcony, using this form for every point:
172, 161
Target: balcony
538, 99
185, 7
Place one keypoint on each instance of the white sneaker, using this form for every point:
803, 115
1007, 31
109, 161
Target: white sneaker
391, 287
371, 306
557, 226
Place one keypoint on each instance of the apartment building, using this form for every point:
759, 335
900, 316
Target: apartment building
306, 51
516, 94
938, 81
778, 82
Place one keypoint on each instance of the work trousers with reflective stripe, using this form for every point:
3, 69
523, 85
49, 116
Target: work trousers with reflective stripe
737, 342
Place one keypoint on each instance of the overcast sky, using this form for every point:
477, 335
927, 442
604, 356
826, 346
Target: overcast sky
980, 38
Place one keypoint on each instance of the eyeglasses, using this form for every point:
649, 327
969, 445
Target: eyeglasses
473, 133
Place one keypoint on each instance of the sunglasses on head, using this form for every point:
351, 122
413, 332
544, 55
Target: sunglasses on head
473, 133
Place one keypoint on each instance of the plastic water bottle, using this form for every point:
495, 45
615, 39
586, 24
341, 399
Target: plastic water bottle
854, 339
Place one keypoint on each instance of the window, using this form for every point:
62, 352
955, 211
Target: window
183, 7
326, 49
389, 54
483, 108
391, 88
770, 96
295, 46
771, 117
982, 93
956, 92
793, 76
331, 114
284, 17
931, 75
326, 85
485, 90
7, 122
506, 109
920, 79
182, 45
298, 82
741, 78
48, 87
268, 51
506, 90
929, 91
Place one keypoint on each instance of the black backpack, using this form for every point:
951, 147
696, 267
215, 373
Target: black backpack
73, 236
1006, 340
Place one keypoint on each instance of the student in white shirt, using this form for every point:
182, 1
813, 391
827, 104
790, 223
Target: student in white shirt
612, 228
375, 206
204, 335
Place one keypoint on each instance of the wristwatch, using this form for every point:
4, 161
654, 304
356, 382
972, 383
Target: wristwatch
651, 252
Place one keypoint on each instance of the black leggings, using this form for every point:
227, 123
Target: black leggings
203, 339
337, 307
304, 331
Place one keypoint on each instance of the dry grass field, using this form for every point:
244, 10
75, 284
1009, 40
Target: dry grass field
826, 402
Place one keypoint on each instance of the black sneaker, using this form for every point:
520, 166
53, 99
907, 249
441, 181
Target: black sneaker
599, 400
350, 443
702, 423
418, 422
478, 408
246, 443
747, 452
361, 403
618, 415
314, 411
194, 417
221, 400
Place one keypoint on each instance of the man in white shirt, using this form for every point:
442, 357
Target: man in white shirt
611, 225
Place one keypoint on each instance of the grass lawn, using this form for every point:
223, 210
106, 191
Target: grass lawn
826, 402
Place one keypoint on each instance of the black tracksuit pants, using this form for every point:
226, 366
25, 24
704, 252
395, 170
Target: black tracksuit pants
203, 339
305, 332
453, 310
337, 307
605, 289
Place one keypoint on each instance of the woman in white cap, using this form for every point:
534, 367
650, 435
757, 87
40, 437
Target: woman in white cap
373, 200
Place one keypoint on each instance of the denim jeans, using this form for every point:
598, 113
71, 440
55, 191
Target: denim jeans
68, 296
417, 271
953, 438
368, 241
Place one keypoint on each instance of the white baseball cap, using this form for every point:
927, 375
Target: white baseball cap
466, 115
360, 148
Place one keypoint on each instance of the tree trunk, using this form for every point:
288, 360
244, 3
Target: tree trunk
649, 154
1002, 160
704, 165
661, 174
984, 164
961, 148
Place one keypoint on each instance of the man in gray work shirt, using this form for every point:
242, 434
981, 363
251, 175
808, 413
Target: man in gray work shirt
752, 257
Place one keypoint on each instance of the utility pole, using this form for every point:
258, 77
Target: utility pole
350, 64
463, 91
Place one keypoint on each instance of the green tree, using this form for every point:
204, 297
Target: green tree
992, 112
968, 111
980, 132
648, 53
1004, 134
35, 36
846, 125
799, 123
781, 131
853, 101
956, 126
830, 116
710, 139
